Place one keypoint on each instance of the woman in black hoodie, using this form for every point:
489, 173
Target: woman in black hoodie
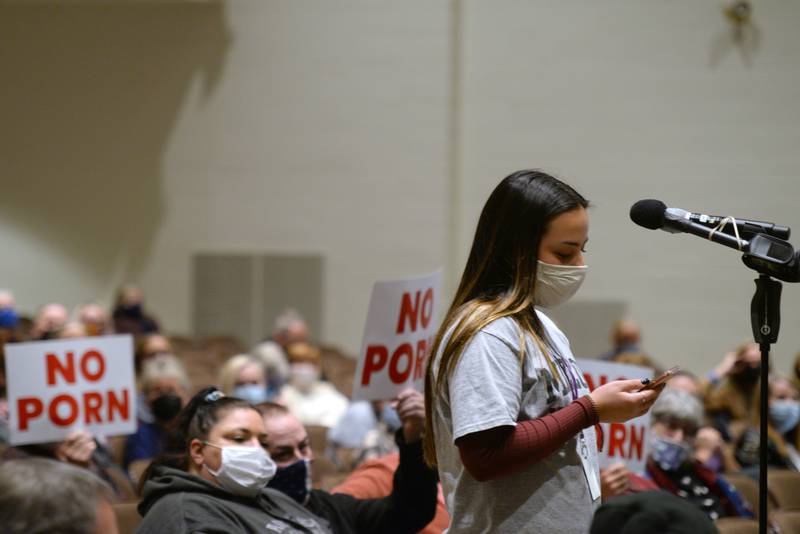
213, 477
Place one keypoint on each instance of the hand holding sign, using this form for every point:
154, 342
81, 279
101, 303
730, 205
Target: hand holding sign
411, 410
77, 448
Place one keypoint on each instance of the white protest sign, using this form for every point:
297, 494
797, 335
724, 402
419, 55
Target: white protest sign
56, 386
621, 442
398, 335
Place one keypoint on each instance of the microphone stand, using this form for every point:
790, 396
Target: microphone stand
765, 319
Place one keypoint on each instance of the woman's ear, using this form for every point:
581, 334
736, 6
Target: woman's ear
196, 454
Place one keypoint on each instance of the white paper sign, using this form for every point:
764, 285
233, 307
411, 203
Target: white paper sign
57, 386
621, 442
398, 335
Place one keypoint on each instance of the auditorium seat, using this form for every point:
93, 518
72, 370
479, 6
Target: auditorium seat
748, 489
787, 522
127, 517
736, 525
785, 488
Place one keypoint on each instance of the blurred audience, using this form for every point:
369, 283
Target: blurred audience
94, 319
129, 313
407, 507
71, 330
245, 377
731, 400
150, 346
673, 465
312, 400
165, 389
81, 449
289, 328
365, 431
782, 431
39, 495
626, 336
50, 319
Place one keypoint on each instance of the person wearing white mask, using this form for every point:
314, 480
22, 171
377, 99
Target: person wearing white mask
509, 417
213, 476
314, 401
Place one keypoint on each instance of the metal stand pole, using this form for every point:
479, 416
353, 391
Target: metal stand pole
765, 319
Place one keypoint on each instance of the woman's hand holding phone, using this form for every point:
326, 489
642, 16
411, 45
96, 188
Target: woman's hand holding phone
621, 400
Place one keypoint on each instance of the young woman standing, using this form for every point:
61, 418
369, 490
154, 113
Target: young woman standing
509, 417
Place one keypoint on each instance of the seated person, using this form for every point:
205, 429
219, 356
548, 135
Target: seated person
407, 508
365, 431
244, 377
730, 391
313, 400
81, 449
41, 495
213, 473
165, 389
709, 447
675, 417
783, 434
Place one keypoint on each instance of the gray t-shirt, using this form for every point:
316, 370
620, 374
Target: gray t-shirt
488, 389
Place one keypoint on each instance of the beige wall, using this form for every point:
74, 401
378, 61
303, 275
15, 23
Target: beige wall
137, 134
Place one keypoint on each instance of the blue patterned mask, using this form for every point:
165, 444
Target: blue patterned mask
668, 454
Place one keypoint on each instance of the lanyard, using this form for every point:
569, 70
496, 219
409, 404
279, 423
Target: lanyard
569, 373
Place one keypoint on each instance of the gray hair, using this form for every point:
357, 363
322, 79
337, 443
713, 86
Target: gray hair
38, 495
164, 366
675, 405
286, 319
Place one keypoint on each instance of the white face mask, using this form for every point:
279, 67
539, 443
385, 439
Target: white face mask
244, 470
556, 284
304, 376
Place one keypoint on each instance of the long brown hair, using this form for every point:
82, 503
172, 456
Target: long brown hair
500, 274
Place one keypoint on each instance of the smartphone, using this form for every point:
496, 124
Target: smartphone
669, 373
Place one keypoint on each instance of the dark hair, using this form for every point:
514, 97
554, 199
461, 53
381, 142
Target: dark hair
194, 421
500, 275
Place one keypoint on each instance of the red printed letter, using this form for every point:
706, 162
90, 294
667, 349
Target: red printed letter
375, 360
396, 376
427, 307
28, 408
99, 370
73, 410
419, 364
636, 443
121, 406
407, 312
617, 440
53, 365
92, 402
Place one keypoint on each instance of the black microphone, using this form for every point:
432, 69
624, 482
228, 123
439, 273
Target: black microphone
655, 215
763, 253
747, 228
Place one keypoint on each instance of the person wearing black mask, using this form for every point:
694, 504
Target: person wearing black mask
409, 507
165, 390
731, 399
129, 315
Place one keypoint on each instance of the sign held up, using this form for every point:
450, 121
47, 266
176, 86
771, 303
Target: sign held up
57, 386
619, 442
397, 337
